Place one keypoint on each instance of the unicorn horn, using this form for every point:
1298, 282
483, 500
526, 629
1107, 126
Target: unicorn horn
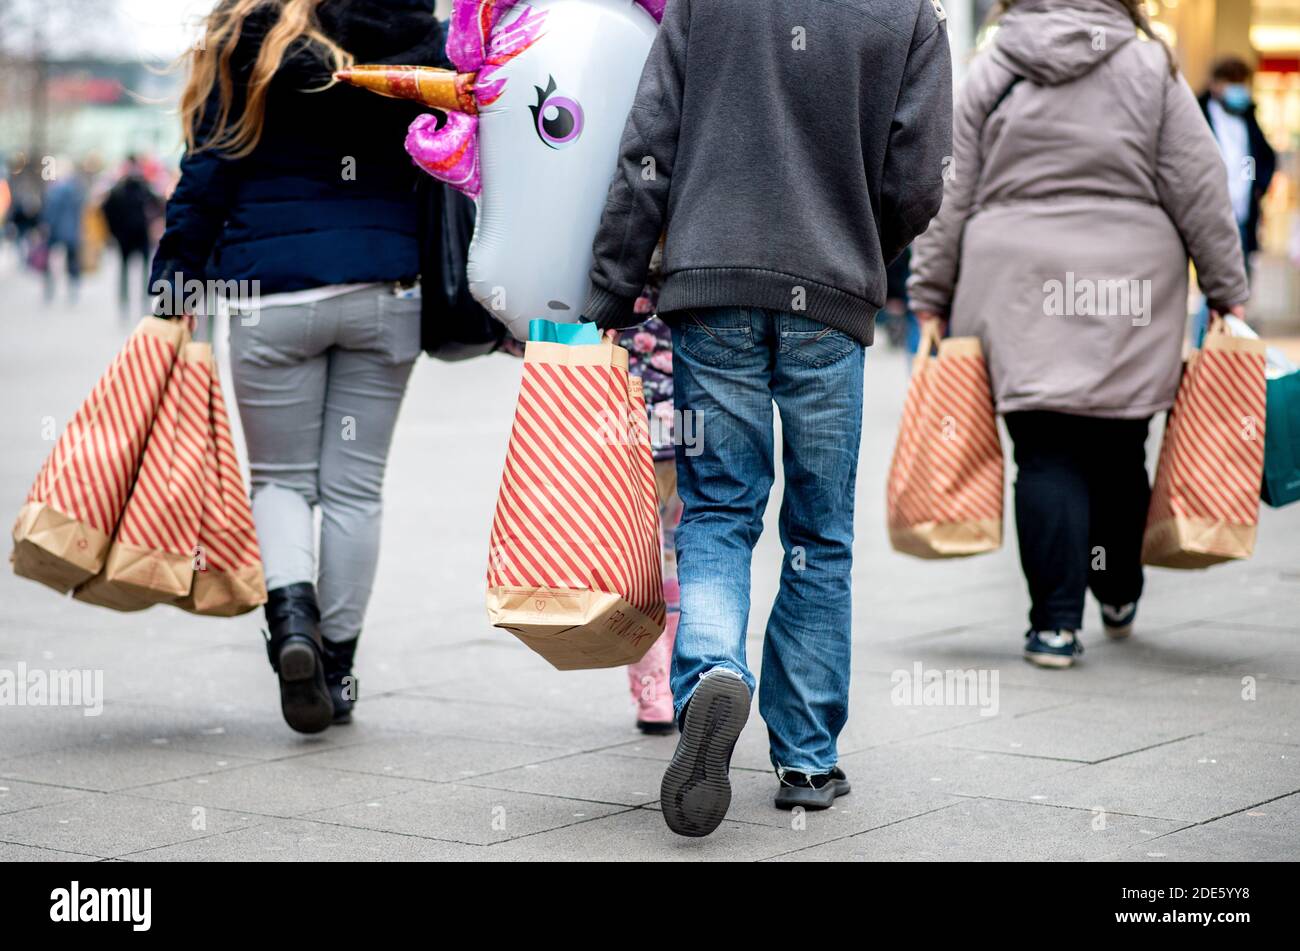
439, 88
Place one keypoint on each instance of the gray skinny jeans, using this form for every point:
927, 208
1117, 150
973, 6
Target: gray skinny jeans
319, 388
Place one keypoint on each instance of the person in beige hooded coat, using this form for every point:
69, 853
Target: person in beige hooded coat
1083, 177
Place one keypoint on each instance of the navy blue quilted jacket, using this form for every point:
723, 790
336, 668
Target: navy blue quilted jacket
329, 195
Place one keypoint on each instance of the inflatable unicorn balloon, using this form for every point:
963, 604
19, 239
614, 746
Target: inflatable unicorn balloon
534, 114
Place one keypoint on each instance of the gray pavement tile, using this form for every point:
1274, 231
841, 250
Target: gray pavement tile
539, 726
1283, 665
1243, 706
434, 758
115, 824
927, 766
299, 840
1194, 780
16, 796
595, 777
107, 765
12, 852
1266, 832
466, 814
984, 830
639, 835
284, 789
1091, 729
538, 685
250, 734
1104, 669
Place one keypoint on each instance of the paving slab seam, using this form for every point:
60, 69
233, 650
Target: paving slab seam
1201, 822
1088, 809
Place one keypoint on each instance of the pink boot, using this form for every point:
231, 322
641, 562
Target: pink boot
648, 679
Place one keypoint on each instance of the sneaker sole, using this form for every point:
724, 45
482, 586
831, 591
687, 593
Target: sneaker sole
1119, 633
696, 789
304, 698
1055, 661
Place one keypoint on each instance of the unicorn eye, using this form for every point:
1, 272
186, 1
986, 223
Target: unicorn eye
558, 119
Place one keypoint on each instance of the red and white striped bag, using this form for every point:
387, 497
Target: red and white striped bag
1205, 500
944, 494
62, 533
228, 577
574, 566
153, 555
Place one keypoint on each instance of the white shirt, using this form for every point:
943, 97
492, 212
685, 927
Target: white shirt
312, 295
1234, 143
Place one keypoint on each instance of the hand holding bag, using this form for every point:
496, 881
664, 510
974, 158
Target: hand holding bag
1205, 500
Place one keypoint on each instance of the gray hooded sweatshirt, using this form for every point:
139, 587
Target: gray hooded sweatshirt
1083, 177
790, 149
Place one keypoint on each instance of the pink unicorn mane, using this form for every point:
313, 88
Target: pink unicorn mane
477, 43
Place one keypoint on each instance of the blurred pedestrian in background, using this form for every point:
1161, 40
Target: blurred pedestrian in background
1082, 171
130, 209
62, 220
292, 185
1250, 161
26, 196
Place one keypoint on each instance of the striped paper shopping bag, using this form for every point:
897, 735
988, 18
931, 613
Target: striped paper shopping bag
1205, 500
228, 578
151, 559
944, 493
574, 566
62, 533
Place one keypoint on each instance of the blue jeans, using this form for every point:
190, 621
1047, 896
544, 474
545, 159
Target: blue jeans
729, 365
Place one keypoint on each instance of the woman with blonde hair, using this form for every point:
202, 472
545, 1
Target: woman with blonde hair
295, 190
1082, 179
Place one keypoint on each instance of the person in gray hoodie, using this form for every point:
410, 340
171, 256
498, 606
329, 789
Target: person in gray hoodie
1083, 177
791, 151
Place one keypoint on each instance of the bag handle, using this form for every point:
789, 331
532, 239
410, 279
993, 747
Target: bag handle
929, 343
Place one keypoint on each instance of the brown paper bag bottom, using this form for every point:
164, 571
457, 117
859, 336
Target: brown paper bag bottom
103, 593
56, 549
225, 593
137, 578
947, 539
574, 630
1190, 544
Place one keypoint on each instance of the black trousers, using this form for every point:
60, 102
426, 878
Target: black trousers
1081, 506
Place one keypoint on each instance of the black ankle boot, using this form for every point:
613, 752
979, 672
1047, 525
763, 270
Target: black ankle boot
342, 683
294, 647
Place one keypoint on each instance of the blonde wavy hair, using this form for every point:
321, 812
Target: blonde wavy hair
1136, 9
210, 68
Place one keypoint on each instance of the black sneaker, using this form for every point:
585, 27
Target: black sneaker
1117, 619
1052, 648
811, 792
696, 789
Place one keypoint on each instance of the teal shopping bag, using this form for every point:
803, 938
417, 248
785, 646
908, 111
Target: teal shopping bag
1282, 441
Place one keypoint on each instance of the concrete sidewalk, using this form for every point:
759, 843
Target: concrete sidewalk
1183, 743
